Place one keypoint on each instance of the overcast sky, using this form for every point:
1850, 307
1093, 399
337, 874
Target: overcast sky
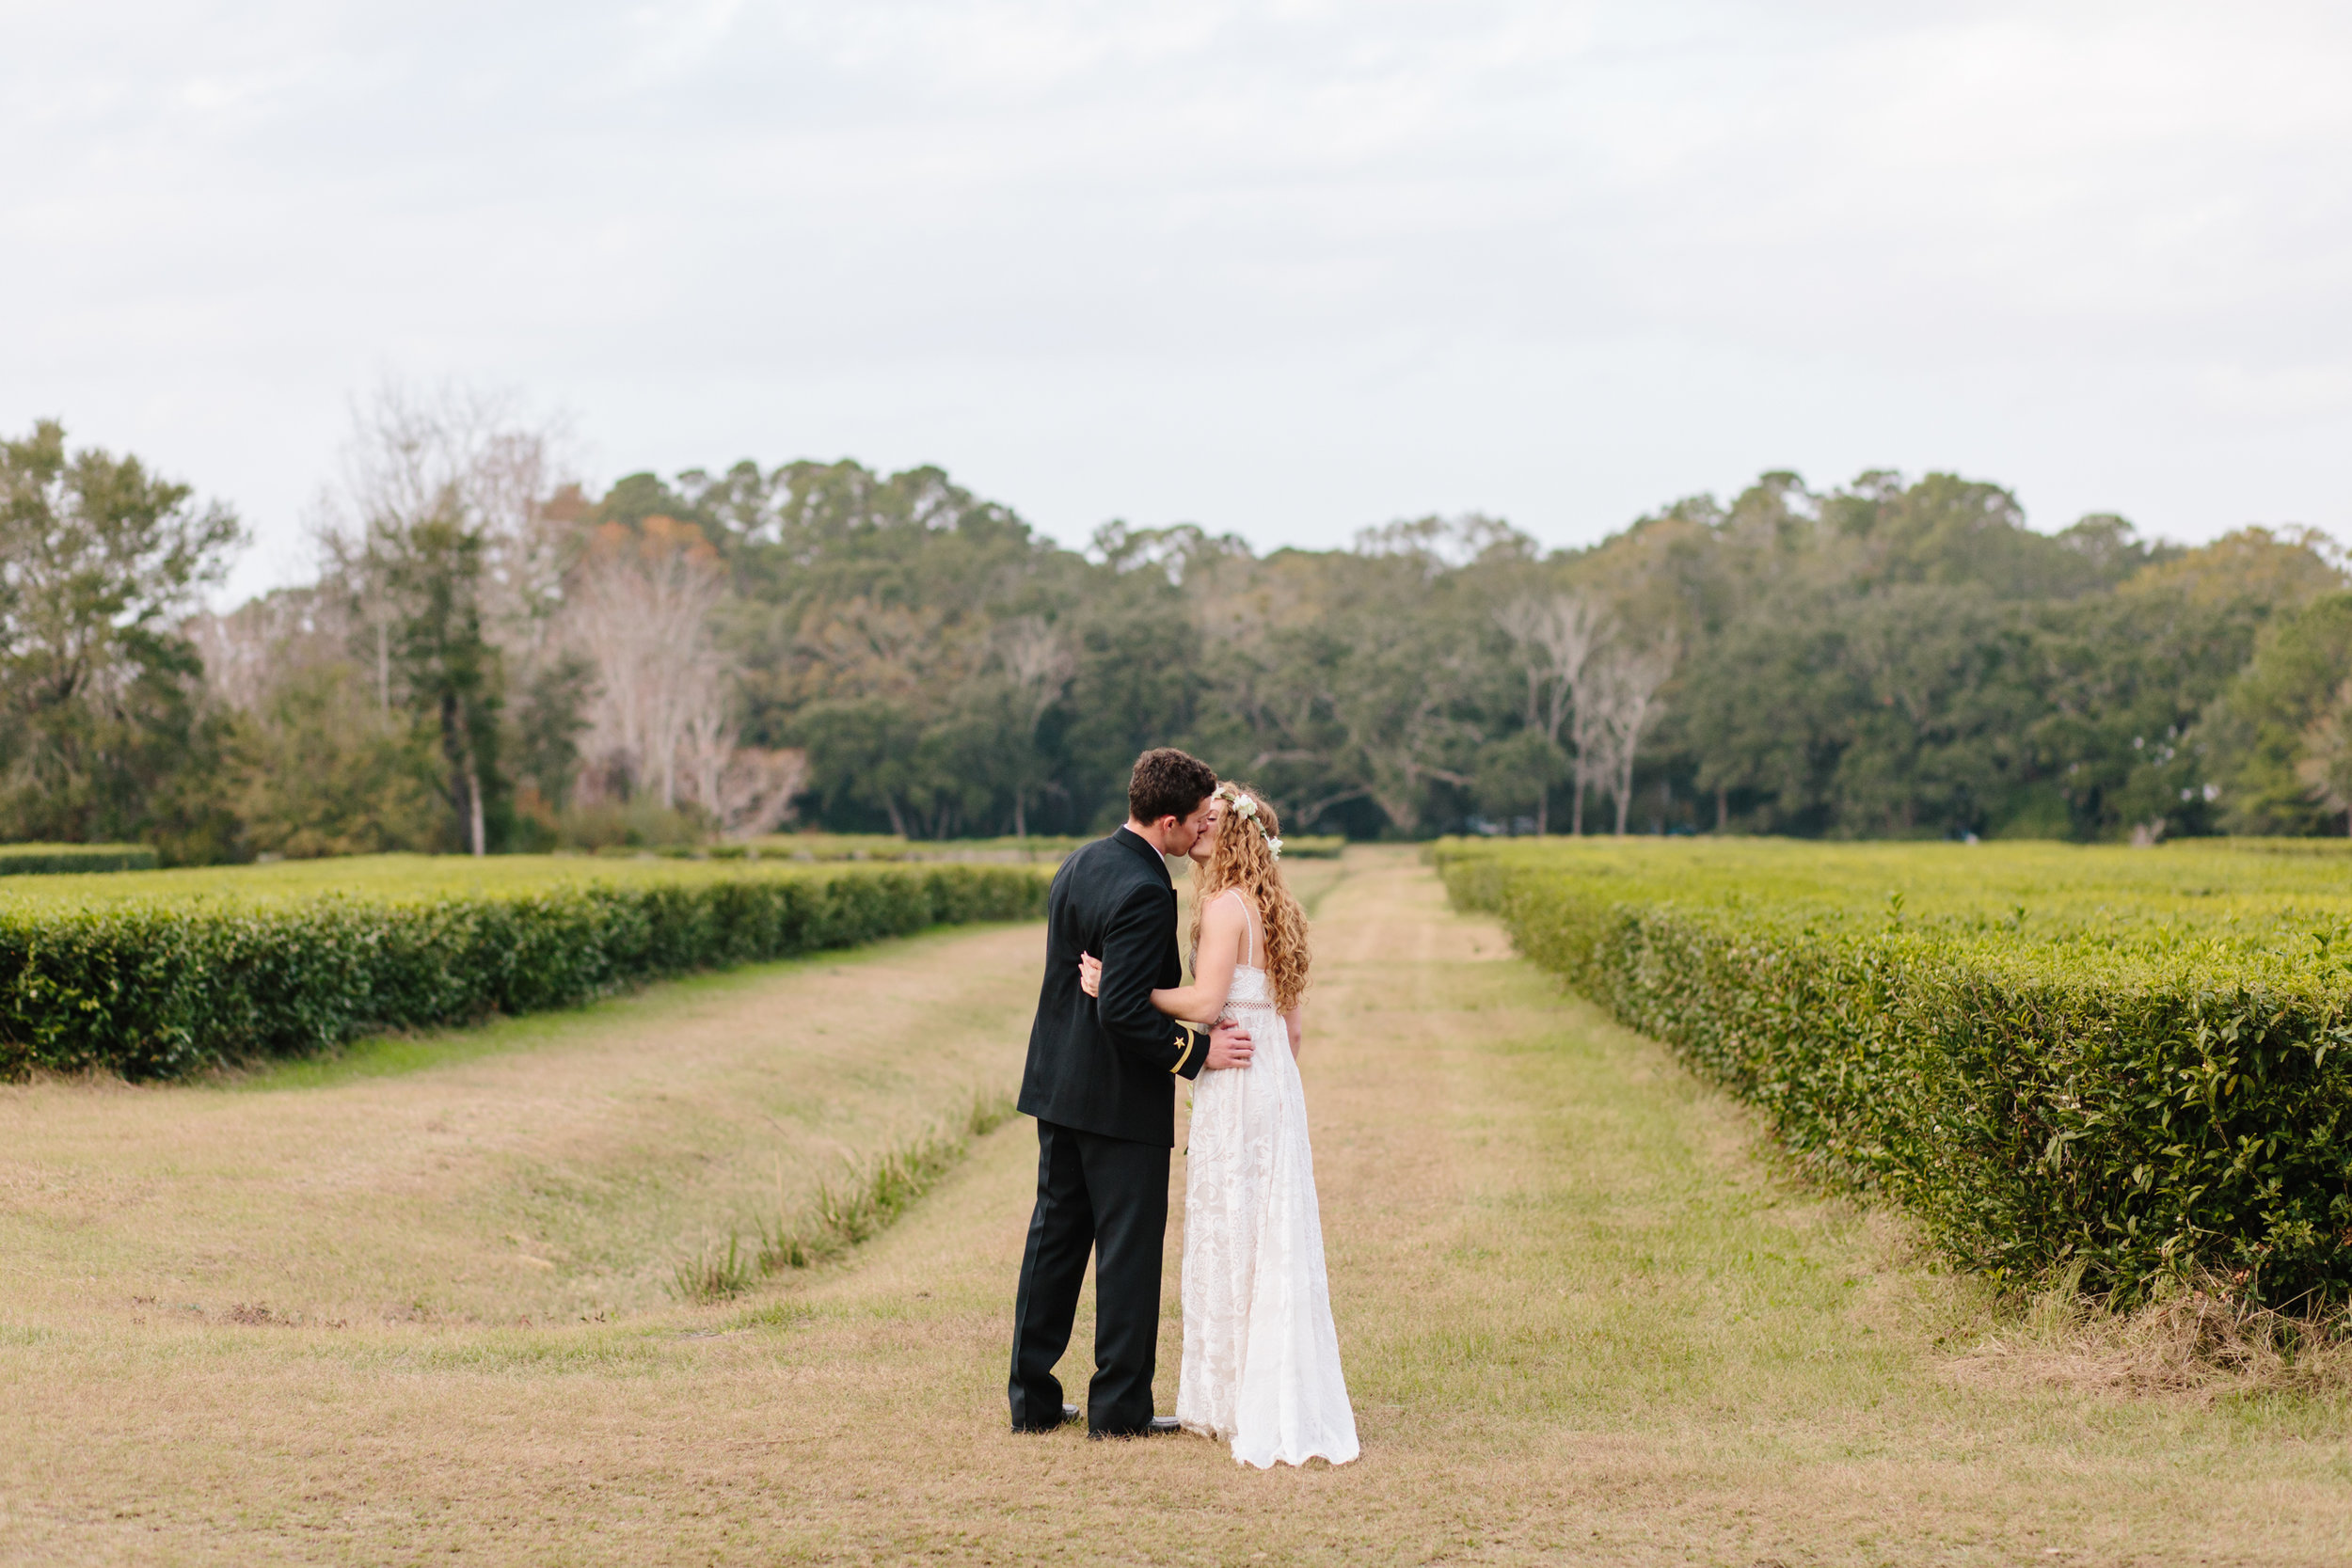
1284, 269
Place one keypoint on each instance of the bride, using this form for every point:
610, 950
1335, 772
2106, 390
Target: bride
1262, 1360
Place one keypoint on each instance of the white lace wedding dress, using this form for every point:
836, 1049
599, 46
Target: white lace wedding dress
1262, 1360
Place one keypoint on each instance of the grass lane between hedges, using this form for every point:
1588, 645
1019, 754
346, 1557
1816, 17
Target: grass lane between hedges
1581, 1321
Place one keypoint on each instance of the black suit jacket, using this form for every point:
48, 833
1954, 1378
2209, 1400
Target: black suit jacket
1109, 1065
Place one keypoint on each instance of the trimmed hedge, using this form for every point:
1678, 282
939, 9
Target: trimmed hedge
20, 860
890, 846
2055, 1057
158, 986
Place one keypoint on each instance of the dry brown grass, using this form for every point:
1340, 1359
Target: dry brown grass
2201, 1342
554, 1175
1580, 1322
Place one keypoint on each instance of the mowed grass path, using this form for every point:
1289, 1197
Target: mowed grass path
1582, 1322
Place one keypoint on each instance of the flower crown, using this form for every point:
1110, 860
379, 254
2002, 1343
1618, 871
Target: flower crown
1247, 806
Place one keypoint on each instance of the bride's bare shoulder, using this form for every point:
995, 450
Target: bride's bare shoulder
1227, 909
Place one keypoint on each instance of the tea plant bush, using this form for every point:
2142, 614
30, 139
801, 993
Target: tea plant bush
885, 847
890, 846
159, 975
18, 860
2134, 1061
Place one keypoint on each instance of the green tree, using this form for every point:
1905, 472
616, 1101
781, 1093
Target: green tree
432, 569
1908, 658
450, 538
548, 723
97, 559
864, 755
1139, 666
1517, 774
1038, 664
321, 769
2282, 714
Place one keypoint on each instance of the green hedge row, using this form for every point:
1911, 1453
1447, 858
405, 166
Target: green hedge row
678, 852
159, 987
18, 860
2126, 1091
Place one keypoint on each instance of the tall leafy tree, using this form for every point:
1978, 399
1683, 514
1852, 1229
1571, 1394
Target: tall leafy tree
449, 539
431, 568
2281, 722
99, 558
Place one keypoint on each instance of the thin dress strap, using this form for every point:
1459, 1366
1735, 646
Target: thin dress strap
1250, 928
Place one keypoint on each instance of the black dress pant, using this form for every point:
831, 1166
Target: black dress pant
1108, 1197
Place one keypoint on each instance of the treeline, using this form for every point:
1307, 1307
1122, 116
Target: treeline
492, 659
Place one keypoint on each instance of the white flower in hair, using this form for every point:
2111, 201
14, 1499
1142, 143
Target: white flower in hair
1275, 845
1247, 806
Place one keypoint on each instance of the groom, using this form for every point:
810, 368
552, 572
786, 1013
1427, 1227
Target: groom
1101, 1083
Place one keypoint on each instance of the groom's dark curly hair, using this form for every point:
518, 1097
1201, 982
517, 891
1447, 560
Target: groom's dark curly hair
1167, 783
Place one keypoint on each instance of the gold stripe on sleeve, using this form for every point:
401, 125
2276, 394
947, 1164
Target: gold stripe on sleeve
1191, 1043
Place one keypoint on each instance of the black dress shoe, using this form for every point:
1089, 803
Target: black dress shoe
1069, 1412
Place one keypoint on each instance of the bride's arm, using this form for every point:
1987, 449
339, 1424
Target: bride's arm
1294, 1022
1221, 928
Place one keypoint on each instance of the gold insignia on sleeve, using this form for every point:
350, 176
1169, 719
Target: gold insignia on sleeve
1191, 1041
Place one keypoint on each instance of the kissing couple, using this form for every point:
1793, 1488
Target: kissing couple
1115, 1030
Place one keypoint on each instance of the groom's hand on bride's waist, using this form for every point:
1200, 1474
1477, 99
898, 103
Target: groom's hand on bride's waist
1229, 1046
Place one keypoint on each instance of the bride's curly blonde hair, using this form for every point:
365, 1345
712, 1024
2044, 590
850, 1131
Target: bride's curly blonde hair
1244, 858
